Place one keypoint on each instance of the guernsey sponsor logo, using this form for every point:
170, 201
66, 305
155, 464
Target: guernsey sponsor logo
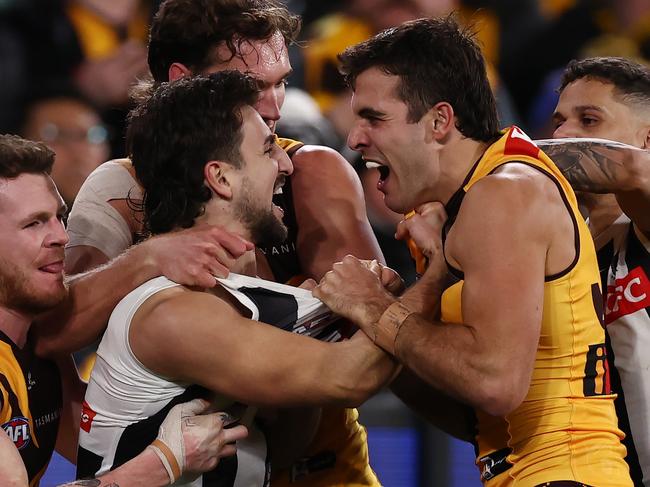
628, 295
87, 416
17, 430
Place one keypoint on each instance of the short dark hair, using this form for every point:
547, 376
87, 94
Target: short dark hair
631, 80
436, 61
187, 31
172, 135
21, 156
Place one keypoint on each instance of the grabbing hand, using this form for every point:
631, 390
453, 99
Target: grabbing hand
194, 257
189, 443
354, 290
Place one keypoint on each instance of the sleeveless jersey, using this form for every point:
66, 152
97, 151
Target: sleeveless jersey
30, 404
627, 318
338, 456
126, 403
566, 427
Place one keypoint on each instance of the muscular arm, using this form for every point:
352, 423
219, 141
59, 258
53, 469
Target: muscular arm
487, 360
145, 470
603, 166
12, 470
330, 210
198, 338
437, 408
74, 390
192, 257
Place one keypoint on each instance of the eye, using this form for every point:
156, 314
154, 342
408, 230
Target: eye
588, 121
33, 224
282, 83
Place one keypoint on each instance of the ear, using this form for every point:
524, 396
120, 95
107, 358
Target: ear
439, 121
219, 178
177, 71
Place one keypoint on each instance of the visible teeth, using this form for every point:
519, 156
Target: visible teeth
372, 165
278, 190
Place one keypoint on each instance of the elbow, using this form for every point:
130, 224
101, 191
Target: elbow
501, 396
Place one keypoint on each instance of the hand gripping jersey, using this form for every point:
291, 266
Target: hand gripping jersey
625, 272
30, 404
566, 427
125, 402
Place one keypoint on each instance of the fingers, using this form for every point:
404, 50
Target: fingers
193, 407
308, 284
236, 433
233, 244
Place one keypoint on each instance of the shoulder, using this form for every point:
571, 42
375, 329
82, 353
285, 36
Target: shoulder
316, 162
113, 179
515, 188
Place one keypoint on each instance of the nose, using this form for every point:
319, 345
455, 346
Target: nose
285, 166
268, 106
357, 138
566, 130
57, 236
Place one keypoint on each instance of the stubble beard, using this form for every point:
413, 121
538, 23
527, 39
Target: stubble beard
265, 228
16, 292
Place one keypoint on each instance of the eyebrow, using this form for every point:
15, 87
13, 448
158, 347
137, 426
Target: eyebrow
263, 84
578, 109
367, 112
44, 215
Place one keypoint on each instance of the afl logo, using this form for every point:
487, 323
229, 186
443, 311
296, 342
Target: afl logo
18, 431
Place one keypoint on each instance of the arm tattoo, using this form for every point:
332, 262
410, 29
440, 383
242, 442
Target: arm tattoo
592, 165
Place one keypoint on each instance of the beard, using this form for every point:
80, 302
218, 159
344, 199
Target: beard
265, 228
17, 292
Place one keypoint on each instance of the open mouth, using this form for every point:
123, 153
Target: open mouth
277, 189
384, 171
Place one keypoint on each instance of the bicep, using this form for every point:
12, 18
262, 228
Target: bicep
330, 211
502, 252
212, 345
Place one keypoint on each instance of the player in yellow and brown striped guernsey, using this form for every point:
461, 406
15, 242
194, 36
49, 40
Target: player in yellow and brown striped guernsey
506, 317
30, 404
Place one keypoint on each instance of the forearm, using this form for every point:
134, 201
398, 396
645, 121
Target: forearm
597, 165
359, 371
145, 470
446, 356
83, 316
437, 408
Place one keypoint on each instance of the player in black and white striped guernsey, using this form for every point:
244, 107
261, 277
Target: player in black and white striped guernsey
166, 342
609, 98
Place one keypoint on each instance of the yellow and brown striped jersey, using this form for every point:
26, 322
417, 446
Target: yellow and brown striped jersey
566, 427
30, 404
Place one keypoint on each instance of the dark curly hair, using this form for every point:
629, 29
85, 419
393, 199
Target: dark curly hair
630, 79
21, 156
172, 135
436, 61
188, 31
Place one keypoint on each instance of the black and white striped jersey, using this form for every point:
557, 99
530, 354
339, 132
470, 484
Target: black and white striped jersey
125, 402
627, 320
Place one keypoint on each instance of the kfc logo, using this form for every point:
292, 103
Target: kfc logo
87, 416
17, 430
628, 295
